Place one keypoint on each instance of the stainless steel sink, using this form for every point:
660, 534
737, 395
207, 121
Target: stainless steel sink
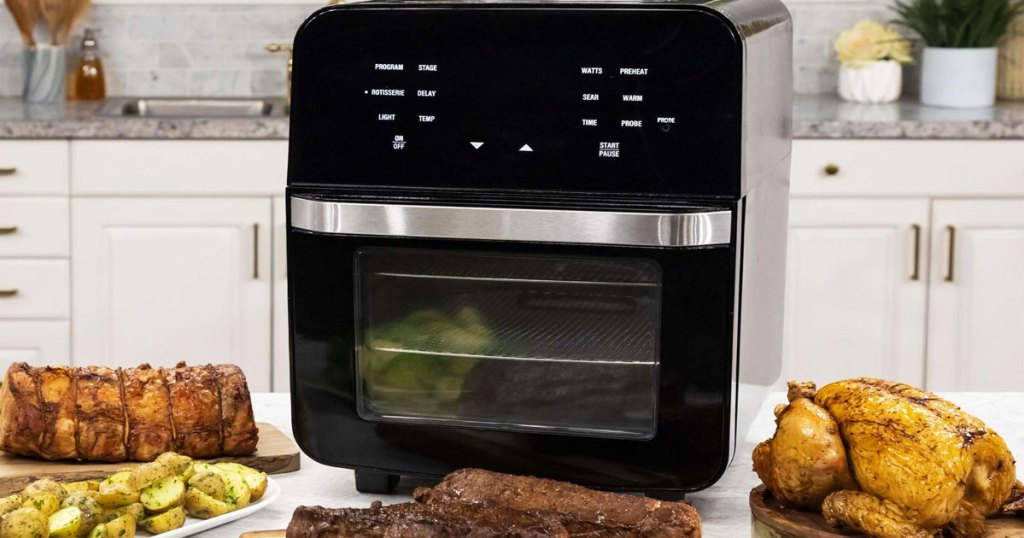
188, 107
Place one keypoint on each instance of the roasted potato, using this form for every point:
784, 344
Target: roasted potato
83, 485
233, 467
66, 523
120, 477
121, 527
204, 506
114, 495
163, 494
147, 473
136, 510
236, 491
187, 472
46, 502
176, 463
99, 531
163, 522
24, 523
92, 512
10, 504
209, 483
45, 486
203, 467
257, 483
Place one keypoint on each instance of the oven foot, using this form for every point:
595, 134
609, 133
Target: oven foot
375, 482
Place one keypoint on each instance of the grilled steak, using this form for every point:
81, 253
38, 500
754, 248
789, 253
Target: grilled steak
414, 520
583, 512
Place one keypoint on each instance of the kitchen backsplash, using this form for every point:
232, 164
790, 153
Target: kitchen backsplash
219, 49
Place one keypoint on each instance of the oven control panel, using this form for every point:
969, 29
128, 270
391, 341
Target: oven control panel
601, 100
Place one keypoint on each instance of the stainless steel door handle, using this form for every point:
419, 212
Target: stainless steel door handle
8, 170
916, 272
513, 224
8, 230
256, 251
8, 293
951, 254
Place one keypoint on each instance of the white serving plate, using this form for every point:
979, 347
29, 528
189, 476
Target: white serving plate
195, 526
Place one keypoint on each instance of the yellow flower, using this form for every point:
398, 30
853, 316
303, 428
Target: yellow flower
869, 41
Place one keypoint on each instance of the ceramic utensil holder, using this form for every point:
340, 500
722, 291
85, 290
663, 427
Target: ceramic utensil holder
1011, 61
45, 74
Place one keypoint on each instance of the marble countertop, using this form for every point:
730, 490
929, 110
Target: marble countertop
814, 117
723, 507
81, 120
830, 117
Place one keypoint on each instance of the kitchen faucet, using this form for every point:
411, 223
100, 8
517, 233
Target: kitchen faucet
284, 47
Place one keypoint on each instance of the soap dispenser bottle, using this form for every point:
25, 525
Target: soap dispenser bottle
89, 81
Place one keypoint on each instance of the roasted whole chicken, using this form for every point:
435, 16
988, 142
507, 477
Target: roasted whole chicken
888, 459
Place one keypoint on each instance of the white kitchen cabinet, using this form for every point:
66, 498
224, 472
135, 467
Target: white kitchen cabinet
35, 342
282, 377
856, 290
161, 280
178, 167
976, 310
33, 167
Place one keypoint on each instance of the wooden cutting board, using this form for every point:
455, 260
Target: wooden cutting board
769, 519
275, 454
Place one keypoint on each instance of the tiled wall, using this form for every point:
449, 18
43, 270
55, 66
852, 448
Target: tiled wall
219, 49
177, 49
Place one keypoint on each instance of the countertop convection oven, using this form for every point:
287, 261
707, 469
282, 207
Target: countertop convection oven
542, 238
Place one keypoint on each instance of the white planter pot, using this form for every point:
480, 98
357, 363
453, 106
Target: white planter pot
959, 78
875, 82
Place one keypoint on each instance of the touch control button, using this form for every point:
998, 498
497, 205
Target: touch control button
666, 120
633, 71
591, 97
589, 122
426, 93
388, 67
428, 67
386, 92
632, 123
426, 119
608, 149
398, 143
386, 117
633, 98
591, 70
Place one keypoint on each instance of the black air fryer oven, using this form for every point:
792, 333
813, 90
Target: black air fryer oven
542, 238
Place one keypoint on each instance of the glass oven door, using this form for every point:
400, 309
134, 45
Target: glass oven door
503, 341
592, 346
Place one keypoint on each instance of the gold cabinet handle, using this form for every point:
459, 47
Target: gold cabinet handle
8, 170
916, 272
8, 230
8, 293
256, 251
951, 231
831, 169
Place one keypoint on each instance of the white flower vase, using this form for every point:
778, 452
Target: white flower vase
873, 83
959, 78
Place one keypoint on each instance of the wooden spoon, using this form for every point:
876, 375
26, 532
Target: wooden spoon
55, 11
79, 8
26, 13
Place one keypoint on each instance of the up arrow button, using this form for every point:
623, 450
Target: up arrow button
476, 145
526, 147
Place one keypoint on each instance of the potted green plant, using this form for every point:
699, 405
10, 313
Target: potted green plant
959, 64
